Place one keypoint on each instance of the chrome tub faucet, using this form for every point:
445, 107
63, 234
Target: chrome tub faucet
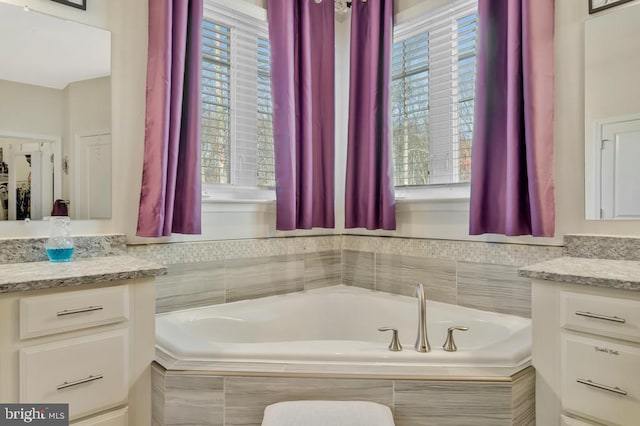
422, 342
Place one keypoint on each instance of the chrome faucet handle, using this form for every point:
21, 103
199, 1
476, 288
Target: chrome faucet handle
449, 344
395, 345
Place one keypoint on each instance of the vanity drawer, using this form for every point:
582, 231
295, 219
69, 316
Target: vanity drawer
73, 310
607, 316
600, 379
113, 418
569, 421
90, 373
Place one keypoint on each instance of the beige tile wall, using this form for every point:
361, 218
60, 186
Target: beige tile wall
206, 283
186, 399
473, 274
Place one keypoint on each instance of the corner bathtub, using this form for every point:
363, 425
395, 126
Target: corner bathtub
334, 331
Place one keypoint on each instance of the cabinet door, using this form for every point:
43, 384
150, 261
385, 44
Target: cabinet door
113, 418
569, 421
601, 379
89, 373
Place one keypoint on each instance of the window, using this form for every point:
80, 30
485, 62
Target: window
237, 135
433, 86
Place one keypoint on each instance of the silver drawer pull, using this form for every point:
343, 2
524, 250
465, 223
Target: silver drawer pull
79, 382
603, 387
79, 311
602, 317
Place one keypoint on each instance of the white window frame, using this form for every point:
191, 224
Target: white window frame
409, 23
224, 12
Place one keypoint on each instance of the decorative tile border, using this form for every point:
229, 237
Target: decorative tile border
468, 251
18, 250
590, 246
207, 251
602, 247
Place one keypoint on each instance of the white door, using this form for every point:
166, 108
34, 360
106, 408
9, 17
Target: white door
93, 180
620, 177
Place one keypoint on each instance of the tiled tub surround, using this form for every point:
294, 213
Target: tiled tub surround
18, 250
472, 274
213, 272
210, 399
219, 281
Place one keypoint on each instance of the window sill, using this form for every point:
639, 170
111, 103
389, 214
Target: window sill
434, 198
210, 205
237, 199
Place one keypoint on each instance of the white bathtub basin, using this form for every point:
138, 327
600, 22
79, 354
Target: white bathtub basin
335, 330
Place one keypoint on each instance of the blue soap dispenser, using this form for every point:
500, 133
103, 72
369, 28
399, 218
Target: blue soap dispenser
60, 244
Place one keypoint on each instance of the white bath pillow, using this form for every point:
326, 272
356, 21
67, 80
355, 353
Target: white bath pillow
327, 413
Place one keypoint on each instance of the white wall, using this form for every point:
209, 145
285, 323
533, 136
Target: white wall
31, 109
128, 22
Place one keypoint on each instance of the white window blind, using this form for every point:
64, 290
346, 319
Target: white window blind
410, 71
433, 86
266, 161
216, 101
237, 137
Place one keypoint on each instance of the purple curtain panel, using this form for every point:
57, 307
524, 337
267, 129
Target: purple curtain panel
302, 42
170, 198
512, 162
369, 192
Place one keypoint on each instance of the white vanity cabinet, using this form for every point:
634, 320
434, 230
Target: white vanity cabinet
586, 352
89, 345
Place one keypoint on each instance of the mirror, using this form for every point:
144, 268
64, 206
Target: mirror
55, 117
27, 178
612, 115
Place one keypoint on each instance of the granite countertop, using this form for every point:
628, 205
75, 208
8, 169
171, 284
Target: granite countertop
39, 275
620, 274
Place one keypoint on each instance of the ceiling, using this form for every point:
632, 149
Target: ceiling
43, 50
